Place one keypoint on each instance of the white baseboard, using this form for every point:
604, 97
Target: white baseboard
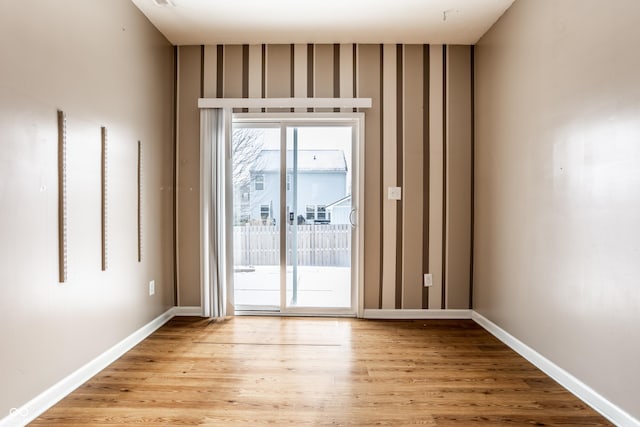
195, 310
589, 396
415, 314
45, 400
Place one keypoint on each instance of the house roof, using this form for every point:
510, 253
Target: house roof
308, 161
345, 201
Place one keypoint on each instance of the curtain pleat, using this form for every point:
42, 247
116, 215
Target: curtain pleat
212, 213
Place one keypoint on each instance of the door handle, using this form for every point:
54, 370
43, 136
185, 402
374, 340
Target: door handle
351, 217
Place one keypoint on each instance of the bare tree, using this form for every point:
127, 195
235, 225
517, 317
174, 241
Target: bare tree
245, 148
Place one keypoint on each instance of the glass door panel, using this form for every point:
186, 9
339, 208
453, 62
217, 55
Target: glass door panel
255, 154
318, 206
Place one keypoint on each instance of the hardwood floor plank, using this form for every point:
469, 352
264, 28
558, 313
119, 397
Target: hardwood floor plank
320, 372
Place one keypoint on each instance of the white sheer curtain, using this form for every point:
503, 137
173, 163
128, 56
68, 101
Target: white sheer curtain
215, 280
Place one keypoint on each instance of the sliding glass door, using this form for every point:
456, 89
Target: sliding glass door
294, 215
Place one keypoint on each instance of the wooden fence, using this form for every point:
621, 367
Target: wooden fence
318, 244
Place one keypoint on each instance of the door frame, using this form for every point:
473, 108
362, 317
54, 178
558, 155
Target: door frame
289, 119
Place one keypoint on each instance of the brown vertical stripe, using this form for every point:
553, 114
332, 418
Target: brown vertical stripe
219, 71
399, 172
444, 177
175, 175
425, 175
245, 70
310, 74
264, 73
245, 73
355, 73
336, 73
292, 72
201, 71
473, 166
381, 183
139, 172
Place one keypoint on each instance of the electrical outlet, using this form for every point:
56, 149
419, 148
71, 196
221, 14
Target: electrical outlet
428, 280
152, 287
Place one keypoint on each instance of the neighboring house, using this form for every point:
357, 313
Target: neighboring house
340, 210
321, 180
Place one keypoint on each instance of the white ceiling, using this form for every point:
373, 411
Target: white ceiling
195, 22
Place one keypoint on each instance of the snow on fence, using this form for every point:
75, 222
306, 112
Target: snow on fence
318, 244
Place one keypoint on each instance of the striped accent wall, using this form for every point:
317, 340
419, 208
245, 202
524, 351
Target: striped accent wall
418, 136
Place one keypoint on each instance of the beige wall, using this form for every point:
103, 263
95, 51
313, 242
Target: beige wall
104, 64
405, 144
557, 203
188, 214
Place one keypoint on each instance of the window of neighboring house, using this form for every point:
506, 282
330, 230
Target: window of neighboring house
322, 212
288, 182
259, 182
264, 211
311, 213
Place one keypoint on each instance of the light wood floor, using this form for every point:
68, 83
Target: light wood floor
322, 372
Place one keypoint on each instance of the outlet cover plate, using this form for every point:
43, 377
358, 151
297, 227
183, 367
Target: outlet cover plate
152, 287
395, 193
428, 280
